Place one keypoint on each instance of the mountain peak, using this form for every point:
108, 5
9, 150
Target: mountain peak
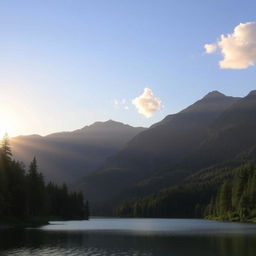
252, 93
214, 94
108, 123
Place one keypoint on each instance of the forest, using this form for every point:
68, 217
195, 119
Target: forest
25, 198
236, 198
221, 194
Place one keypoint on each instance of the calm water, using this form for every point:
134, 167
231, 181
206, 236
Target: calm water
145, 237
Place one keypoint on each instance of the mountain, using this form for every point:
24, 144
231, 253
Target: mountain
224, 192
232, 133
177, 135
230, 143
67, 156
151, 158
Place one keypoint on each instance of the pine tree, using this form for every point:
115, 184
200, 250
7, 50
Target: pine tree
86, 210
36, 191
33, 168
225, 198
6, 150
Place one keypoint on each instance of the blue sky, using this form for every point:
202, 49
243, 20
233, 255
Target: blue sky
63, 63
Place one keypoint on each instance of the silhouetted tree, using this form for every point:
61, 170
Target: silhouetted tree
6, 152
24, 195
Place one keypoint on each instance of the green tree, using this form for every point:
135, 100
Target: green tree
36, 191
225, 199
6, 151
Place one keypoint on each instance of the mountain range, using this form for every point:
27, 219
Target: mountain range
67, 156
214, 130
113, 163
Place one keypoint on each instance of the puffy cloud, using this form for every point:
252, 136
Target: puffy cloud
146, 103
238, 49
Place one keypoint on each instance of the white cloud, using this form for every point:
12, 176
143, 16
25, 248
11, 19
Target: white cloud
120, 104
116, 103
238, 49
210, 48
146, 103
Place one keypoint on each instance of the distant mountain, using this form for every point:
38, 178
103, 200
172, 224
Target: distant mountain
215, 180
152, 158
232, 133
67, 156
178, 134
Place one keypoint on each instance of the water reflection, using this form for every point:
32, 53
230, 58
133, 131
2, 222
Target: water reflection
110, 243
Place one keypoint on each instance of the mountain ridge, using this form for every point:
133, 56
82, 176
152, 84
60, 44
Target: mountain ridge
160, 147
65, 156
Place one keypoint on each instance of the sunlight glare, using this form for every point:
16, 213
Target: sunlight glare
5, 126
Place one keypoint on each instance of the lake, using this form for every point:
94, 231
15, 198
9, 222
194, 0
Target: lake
132, 237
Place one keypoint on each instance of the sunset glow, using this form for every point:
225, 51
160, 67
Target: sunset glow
8, 124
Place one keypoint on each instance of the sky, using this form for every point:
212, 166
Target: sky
65, 64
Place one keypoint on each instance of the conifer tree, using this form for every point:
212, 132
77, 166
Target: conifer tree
6, 149
36, 190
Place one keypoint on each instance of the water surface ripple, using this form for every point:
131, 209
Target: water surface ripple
130, 237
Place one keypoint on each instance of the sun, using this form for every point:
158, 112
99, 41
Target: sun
10, 122
5, 127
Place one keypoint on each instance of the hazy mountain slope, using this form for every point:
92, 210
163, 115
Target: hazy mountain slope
229, 137
232, 133
161, 146
67, 156
190, 198
178, 134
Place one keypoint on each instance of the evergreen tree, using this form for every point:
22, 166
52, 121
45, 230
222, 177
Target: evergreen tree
24, 195
225, 199
36, 190
6, 153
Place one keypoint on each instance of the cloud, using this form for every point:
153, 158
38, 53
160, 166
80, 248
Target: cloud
238, 49
120, 104
116, 103
210, 48
146, 103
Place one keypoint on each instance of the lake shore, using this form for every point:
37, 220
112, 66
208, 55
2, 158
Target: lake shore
23, 223
131, 236
235, 219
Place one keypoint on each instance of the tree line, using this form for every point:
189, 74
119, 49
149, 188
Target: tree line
24, 195
183, 201
224, 194
236, 198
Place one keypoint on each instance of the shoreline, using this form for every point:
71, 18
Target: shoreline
237, 220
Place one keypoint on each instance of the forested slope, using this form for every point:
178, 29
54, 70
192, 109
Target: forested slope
151, 157
25, 198
216, 133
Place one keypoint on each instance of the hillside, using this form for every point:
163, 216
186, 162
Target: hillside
232, 133
67, 156
230, 149
224, 192
154, 159
230, 136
